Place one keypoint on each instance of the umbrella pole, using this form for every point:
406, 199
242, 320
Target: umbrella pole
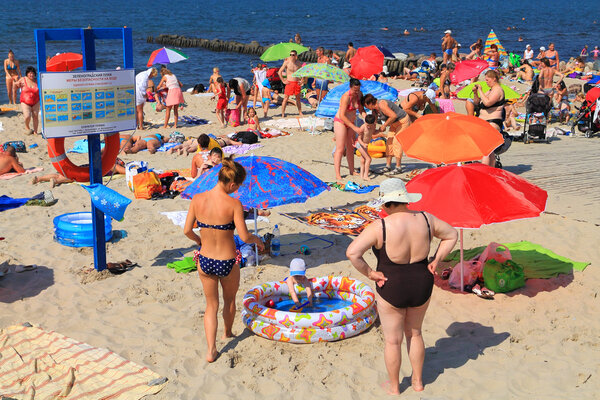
462, 267
256, 233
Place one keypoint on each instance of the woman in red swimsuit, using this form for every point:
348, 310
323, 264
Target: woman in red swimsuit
404, 276
344, 128
30, 98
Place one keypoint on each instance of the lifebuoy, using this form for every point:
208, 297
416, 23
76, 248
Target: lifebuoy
60, 161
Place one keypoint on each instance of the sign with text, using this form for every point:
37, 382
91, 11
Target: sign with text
87, 103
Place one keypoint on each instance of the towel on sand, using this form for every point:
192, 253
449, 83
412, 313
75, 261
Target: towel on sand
183, 266
537, 261
39, 364
81, 146
6, 202
10, 175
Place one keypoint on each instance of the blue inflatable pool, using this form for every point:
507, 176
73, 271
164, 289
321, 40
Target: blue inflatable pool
76, 229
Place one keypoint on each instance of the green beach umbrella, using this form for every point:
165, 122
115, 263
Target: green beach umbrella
322, 71
281, 51
467, 91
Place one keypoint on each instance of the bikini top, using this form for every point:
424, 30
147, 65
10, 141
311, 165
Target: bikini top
9, 67
352, 103
377, 251
499, 103
225, 227
415, 108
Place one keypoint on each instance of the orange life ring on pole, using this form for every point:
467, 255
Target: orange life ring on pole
60, 161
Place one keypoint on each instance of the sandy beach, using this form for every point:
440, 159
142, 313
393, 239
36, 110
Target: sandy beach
539, 342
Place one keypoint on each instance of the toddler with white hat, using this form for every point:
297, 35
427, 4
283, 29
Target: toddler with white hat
298, 277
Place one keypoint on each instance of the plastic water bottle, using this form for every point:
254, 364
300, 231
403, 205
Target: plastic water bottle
276, 242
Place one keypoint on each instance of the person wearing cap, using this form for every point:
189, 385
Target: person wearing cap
539, 57
448, 45
298, 277
528, 53
266, 93
416, 101
404, 276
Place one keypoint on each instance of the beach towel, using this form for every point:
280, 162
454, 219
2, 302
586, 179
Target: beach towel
446, 105
166, 146
242, 149
184, 266
347, 220
40, 364
299, 123
352, 187
7, 203
81, 146
537, 261
10, 175
272, 133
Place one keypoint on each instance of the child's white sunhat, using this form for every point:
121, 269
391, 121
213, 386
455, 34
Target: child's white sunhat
393, 189
297, 267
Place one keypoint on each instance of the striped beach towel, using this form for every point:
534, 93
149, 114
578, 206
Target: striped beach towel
39, 364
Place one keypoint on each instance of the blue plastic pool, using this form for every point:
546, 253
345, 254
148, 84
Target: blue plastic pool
319, 305
76, 229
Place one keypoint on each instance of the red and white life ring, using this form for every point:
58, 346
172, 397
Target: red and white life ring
60, 161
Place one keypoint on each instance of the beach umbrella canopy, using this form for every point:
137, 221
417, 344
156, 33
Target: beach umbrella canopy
330, 104
493, 39
467, 69
270, 182
472, 195
467, 91
64, 62
449, 138
281, 51
386, 53
366, 62
165, 56
322, 71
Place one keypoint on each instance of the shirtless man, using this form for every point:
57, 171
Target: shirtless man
349, 54
546, 77
525, 72
9, 162
448, 45
292, 85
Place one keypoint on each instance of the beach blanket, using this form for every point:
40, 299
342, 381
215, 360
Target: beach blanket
347, 220
299, 123
184, 266
352, 187
537, 261
7, 203
242, 149
10, 175
81, 146
166, 146
191, 120
446, 105
40, 364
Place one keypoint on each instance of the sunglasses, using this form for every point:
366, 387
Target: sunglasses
293, 55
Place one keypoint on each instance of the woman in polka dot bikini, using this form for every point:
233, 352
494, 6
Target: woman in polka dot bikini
217, 260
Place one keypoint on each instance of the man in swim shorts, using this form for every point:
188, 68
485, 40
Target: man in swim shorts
448, 45
292, 85
349, 54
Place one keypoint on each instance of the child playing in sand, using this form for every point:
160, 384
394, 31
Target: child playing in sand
298, 277
222, 96
253, 123
365, 135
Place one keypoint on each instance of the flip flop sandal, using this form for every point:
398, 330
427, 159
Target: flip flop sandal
483, 293
396, 171
385, 170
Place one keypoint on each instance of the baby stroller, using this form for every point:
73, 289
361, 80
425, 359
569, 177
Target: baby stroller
588, 118
424, 74
537, 110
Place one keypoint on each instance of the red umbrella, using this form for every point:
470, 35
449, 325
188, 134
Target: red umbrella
64, 62
468, 196
467, 69
449, 138
366, 62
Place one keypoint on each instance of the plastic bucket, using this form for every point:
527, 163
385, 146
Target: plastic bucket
76, 229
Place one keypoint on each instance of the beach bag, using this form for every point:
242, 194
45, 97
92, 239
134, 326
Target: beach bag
472, 270
133, 168
19, 146
145, 184
495, 251
246, 137
503, 277
233, 117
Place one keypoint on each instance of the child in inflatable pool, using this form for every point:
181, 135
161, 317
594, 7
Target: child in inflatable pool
298, 277
365, 134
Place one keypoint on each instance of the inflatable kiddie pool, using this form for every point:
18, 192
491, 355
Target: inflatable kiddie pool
343, 307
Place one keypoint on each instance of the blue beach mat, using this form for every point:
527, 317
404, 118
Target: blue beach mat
6, 202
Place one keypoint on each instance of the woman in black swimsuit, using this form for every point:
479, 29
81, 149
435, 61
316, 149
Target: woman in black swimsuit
404, 277
218, 215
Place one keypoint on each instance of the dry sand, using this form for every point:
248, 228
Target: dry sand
541, 342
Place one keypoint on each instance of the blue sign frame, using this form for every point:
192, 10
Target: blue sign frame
87, 37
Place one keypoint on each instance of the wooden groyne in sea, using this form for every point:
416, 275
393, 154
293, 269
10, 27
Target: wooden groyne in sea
254, 48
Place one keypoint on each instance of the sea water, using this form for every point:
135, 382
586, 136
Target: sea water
331, 24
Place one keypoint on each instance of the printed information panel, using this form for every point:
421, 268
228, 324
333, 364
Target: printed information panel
87, 103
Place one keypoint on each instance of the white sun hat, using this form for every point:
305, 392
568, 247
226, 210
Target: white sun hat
297, 267
393, 189
448, 31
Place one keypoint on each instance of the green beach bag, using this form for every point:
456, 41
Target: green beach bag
503, 277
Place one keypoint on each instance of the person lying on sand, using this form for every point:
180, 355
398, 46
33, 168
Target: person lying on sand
58, 179
9, 161
150, 142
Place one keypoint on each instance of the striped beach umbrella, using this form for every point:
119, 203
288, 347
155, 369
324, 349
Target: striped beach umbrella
493, 39
165, 56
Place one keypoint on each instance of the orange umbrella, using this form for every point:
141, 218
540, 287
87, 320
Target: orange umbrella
449, 138
64, 62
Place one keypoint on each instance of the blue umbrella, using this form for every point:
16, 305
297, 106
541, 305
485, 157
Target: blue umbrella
269, 182
330, 104
386, 52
